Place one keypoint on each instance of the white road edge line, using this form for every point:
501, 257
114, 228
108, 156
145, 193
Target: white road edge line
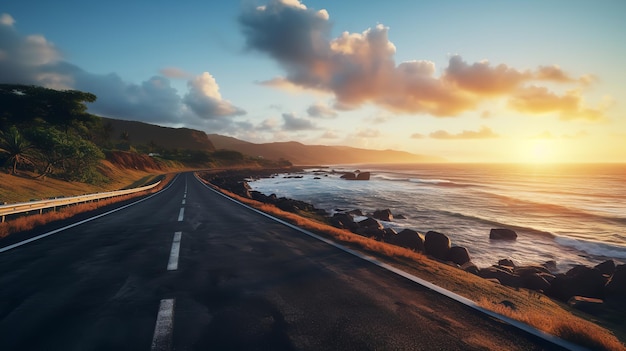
12, 246
465, 301
172, 265
162, 339
181, 214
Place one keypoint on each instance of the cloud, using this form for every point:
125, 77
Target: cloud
483, 133
359, 68
205, 100
293, 123
553, 73
175, 73
32, 59
321, 110
329, 135
7, 20
368, 133
539, 100
417, 136
482, 78
547, 135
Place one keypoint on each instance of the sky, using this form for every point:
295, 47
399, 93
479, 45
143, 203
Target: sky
470, 81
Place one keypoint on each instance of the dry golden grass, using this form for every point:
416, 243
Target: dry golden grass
26, 186
25, 223
569, 327
532, 308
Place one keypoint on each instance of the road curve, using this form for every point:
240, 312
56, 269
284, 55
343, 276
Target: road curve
189, 270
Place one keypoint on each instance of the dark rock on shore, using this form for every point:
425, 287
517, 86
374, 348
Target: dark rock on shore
578, 281
383, 215
356, 176
409, 239
459, 255
607, 267
504, 276
343, 221
616, 286
502, 234
437, 245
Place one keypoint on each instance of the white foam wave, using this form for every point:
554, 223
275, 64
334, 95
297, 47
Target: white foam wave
594, 248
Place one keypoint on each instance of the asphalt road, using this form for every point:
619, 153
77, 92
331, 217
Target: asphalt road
239, 281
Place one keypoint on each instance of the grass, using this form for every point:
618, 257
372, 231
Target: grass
526, 306
25, 223
25, 186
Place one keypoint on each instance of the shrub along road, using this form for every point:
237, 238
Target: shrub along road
187, 269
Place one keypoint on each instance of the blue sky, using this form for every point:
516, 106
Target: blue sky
498, 81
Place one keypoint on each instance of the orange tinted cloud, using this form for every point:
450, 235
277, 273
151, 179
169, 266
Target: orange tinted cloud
539, 100
360, 68
483, 133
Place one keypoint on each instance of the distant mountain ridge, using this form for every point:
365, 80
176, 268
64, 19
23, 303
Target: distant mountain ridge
140, 133
301, 154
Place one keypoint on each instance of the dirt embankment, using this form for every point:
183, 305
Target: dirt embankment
130, 160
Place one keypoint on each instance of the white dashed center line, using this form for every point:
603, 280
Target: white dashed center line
183, 201
181, 214
172, 265
162, 339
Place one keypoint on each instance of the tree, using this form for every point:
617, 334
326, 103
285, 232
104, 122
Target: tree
65, 155
17, 149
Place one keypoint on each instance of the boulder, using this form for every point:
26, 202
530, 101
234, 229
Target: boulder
527, 270
357, 175
506, 262
459, 255
383, 215
586, 304
502, 234
400, 216
607, 267
372, 232
503, 276
550, 265
370, 223
535, 281
578, 281
616, 287
356, 212
470, 267
295, 206
437, 245
363, 176
343, 221
348, 176
409, 239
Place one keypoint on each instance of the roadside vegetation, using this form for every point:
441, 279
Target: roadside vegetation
523, 305
47, 135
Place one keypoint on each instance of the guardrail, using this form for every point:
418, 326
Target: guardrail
41, 205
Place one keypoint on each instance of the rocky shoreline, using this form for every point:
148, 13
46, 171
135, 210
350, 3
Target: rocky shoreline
590, 289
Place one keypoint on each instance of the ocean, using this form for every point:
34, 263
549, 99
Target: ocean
572, 214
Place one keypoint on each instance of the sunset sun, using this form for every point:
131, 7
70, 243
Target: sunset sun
539, 151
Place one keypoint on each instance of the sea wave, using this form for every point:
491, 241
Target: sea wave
593, 247
496, 224
433, 182
571, 211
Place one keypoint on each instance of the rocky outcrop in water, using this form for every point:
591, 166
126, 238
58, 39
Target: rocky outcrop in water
502, 234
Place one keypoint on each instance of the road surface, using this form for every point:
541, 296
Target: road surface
187, 269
